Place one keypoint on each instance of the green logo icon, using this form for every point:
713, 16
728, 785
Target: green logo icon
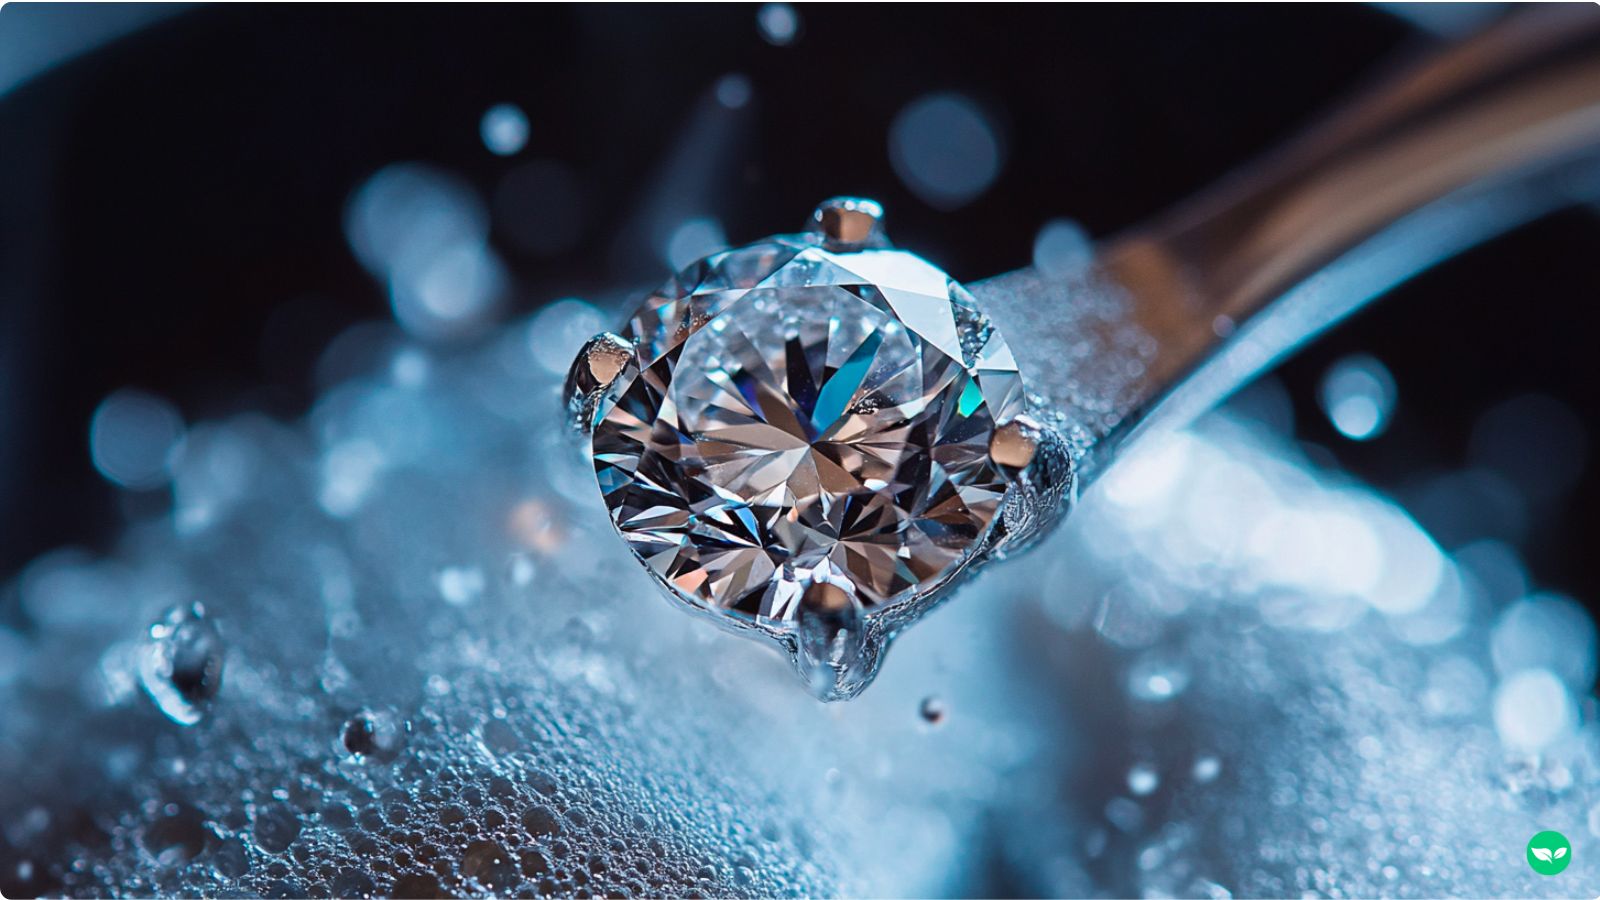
1549, 852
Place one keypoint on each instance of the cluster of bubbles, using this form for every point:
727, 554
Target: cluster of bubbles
392, 650
423, 667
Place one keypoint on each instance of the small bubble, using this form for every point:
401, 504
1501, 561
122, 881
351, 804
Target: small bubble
932, 710
1157, 679
488, 863
177, 837
520, 571
1206, 769
181, 669
353, 883
276, 827
230, 859
417, 887
1142, 780
500, 738
459, 585
375, 734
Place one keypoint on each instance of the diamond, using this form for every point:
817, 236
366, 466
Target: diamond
795, 417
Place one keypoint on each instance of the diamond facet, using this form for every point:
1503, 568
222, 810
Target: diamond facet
796, 418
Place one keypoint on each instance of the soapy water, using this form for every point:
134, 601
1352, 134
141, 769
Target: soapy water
1230, 673
395, 649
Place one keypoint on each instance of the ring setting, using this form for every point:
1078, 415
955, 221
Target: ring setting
812, 438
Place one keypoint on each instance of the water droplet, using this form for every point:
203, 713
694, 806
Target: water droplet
932, 710
374, 734
181, 669
833, 652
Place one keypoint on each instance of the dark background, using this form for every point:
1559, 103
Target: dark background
170, 205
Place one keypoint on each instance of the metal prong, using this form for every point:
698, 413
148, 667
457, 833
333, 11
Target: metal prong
1040, 467
849, 223
1013, 445
601, 360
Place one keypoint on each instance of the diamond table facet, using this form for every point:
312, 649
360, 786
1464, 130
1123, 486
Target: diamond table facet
797, 417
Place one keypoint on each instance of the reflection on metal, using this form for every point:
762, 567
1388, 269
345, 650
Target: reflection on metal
1463, 146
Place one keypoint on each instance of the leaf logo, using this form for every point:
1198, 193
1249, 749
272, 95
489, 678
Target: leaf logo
1549, 852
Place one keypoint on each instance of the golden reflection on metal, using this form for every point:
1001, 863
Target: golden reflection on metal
1525, 92
825, 597
1013, 444
849, 223
606, 357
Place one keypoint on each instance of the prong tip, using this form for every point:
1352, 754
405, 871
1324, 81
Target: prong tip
849, 222
1013, 445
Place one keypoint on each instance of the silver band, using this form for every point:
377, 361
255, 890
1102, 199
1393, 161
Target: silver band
1466, 144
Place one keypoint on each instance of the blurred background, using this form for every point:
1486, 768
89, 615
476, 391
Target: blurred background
177, 203
200, 207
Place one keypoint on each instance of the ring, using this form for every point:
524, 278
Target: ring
812, 438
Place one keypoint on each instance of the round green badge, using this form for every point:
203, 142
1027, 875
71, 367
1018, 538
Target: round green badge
1549, 852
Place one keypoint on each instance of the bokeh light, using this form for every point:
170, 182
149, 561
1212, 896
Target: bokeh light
131, 437
1062, 249
504, 129
779, 23
1358, 396
945, 150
